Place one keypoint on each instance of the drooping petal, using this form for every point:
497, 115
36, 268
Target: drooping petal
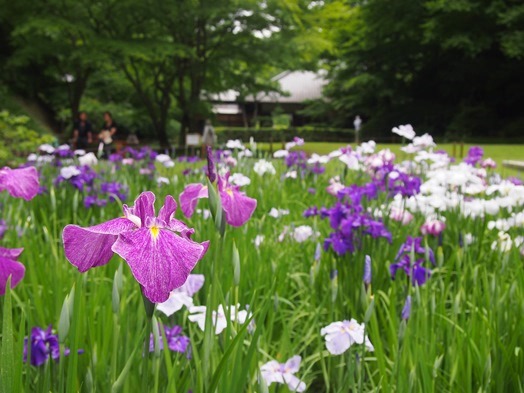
338, 343
159, 259
293, 383
238, 208
190, 196
198, 315
9, 267
420, 274
176, 301
193, 284
20, 183
10, 253
90, 247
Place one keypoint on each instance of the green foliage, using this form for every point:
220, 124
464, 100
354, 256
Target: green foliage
158, 59
465, 332
443, 65
17, 138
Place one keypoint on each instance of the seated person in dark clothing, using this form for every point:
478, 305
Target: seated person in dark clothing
82, 132
107, 133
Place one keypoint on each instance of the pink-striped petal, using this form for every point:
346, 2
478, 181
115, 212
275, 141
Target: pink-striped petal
10, 268
159, 259
90, 247
190, 196
10, 253
20, 183
238, 207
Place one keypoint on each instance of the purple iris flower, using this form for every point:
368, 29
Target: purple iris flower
81, 177
176, 341
93, 200
114, 189
515, 180
404, 184
115, 157
20, 183
311, 212
296, 159
413, 268
406, 310
10, 267
64, 151
44, 345
367, 270
238, 208
159, 250
317, 169
475, 154
349, 222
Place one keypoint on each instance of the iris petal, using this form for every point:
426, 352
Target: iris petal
238, 208
9, 267
161, 263
190, 196
90, 247
20, 183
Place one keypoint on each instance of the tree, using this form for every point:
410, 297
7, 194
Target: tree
181, 49
440, 64
55, 45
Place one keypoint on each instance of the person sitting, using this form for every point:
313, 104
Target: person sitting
107, 134
82, 132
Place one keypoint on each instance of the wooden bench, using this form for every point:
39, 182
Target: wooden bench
513, 164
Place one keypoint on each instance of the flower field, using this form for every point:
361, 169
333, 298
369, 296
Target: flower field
357, 270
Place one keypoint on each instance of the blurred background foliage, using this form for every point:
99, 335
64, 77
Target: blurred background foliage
449, 67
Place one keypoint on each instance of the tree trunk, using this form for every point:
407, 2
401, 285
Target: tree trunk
161, 133
184, 126
76, 92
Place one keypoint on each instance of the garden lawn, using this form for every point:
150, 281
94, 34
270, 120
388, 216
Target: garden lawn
498, 153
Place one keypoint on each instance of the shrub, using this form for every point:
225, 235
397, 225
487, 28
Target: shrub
17, 138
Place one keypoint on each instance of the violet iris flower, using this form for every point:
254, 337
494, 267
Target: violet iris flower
159, 250
20, 183
349, 222
44, 345
413, 268
9, 266
367, 270
176, 341
238, 208
406, 310
475, 154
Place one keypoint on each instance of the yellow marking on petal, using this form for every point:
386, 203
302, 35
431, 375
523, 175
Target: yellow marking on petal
229, 192
154, 231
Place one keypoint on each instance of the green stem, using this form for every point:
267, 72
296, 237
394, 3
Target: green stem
114, 356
